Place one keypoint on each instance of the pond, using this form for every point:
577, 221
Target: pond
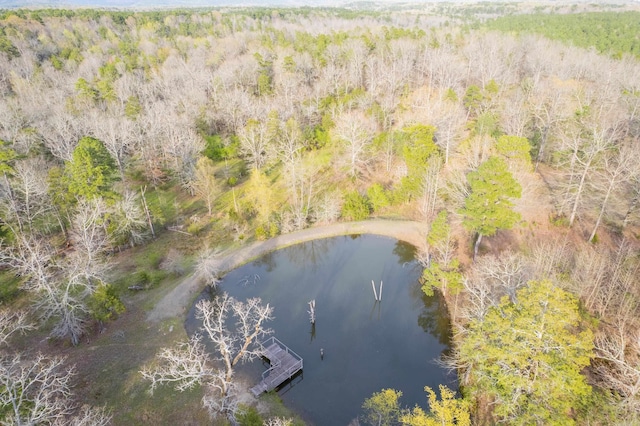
368, 345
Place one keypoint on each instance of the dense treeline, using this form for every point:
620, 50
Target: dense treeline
613, 33
277, 121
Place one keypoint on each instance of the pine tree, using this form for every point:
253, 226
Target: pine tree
91, 171
488, 207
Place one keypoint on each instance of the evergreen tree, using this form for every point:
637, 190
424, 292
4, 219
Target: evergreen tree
92, 171
488, 207
418, 148
528, 354
516, 150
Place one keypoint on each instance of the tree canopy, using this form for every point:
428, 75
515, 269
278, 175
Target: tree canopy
489, 207
92, 170
418, 148
538, 379
609, 32
448, 411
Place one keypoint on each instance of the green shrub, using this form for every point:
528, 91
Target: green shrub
194, 228
559, 220
378, 197
10, 288
355, 207
273, 229
248, 416
146, 278
261, 232
104, 303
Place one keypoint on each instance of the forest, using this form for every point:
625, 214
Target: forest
135, 147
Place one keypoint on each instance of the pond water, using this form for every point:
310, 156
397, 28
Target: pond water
367, 345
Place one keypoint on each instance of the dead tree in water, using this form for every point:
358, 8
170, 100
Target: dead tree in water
312, 311
378, 297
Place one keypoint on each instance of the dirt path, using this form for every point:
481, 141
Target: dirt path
177, 301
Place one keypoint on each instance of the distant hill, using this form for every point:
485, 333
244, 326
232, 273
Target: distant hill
147, 4
610, 32
177, 4
137, 4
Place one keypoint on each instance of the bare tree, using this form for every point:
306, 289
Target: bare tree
300, 177
39, 391
616, 169
633, 198
493, 277
61, 133
550, 258
546, 109
130, 220
253, 143
31, 191
90, 416
117, 134
326, 208
12, 322
584, 154
31, 257
240, 345
515, 116
90, 241
355, 130
605, 279
430, 186
61, 286
617, 364
205, 185
208, 266
449, 121
278, 421
357, 52
189, 364
34, 391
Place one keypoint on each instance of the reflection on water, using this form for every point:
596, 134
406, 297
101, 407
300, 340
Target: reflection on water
367, 345
405, 252
310, 254
434, 318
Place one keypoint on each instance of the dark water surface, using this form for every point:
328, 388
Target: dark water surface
367, 346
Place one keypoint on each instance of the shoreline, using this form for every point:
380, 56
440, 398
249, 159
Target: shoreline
178, 300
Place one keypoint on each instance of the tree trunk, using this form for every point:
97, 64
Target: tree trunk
543, 142
604, 205
146, 211
576, 202
634, 204
476, 246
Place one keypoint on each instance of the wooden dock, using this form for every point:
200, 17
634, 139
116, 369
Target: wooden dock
284, 364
